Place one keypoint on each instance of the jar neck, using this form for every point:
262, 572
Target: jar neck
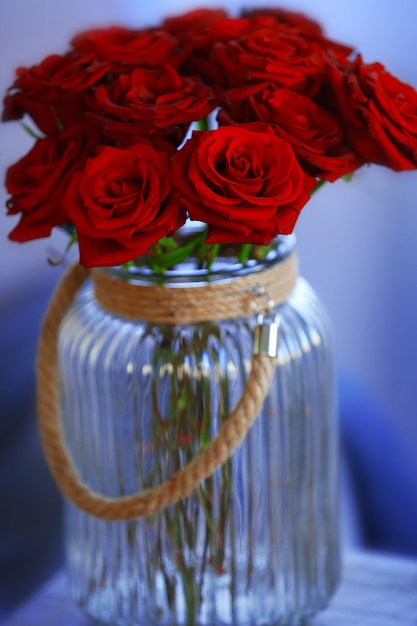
225, 267
193, 296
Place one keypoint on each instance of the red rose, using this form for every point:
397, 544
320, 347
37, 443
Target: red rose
193, 24
379, 113
243, 181
197, 32
199, 44
38, 181
315, 134
119, 204
151, 102
127, 48
269, 52
310, 29
52, 92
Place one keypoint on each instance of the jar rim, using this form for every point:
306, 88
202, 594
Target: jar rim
224, 268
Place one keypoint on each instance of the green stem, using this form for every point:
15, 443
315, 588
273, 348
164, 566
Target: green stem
244, 253
186, 572
59, 123
188, 580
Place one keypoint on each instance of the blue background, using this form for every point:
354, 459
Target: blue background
357, 246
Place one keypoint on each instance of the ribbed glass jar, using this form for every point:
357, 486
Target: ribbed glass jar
257, 543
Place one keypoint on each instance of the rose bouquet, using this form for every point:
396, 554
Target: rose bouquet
229, 121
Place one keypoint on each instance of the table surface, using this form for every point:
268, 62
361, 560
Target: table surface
376, 590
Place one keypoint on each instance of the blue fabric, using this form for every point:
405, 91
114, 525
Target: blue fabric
383, 473
30, 520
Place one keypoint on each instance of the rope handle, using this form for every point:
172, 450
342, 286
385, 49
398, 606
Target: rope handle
181, 484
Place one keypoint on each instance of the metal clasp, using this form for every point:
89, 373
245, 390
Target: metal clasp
266, 334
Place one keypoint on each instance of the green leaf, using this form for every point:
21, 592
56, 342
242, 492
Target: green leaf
202, 124
168, 242
177, 255
31, 132
318, 186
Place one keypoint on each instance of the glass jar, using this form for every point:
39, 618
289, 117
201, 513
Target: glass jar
256, 543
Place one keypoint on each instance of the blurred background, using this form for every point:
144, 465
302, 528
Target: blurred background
357, 247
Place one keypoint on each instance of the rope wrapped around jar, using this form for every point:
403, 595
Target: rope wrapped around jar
243, 296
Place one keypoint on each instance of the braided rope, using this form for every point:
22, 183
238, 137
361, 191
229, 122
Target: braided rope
150, 501
214, 301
